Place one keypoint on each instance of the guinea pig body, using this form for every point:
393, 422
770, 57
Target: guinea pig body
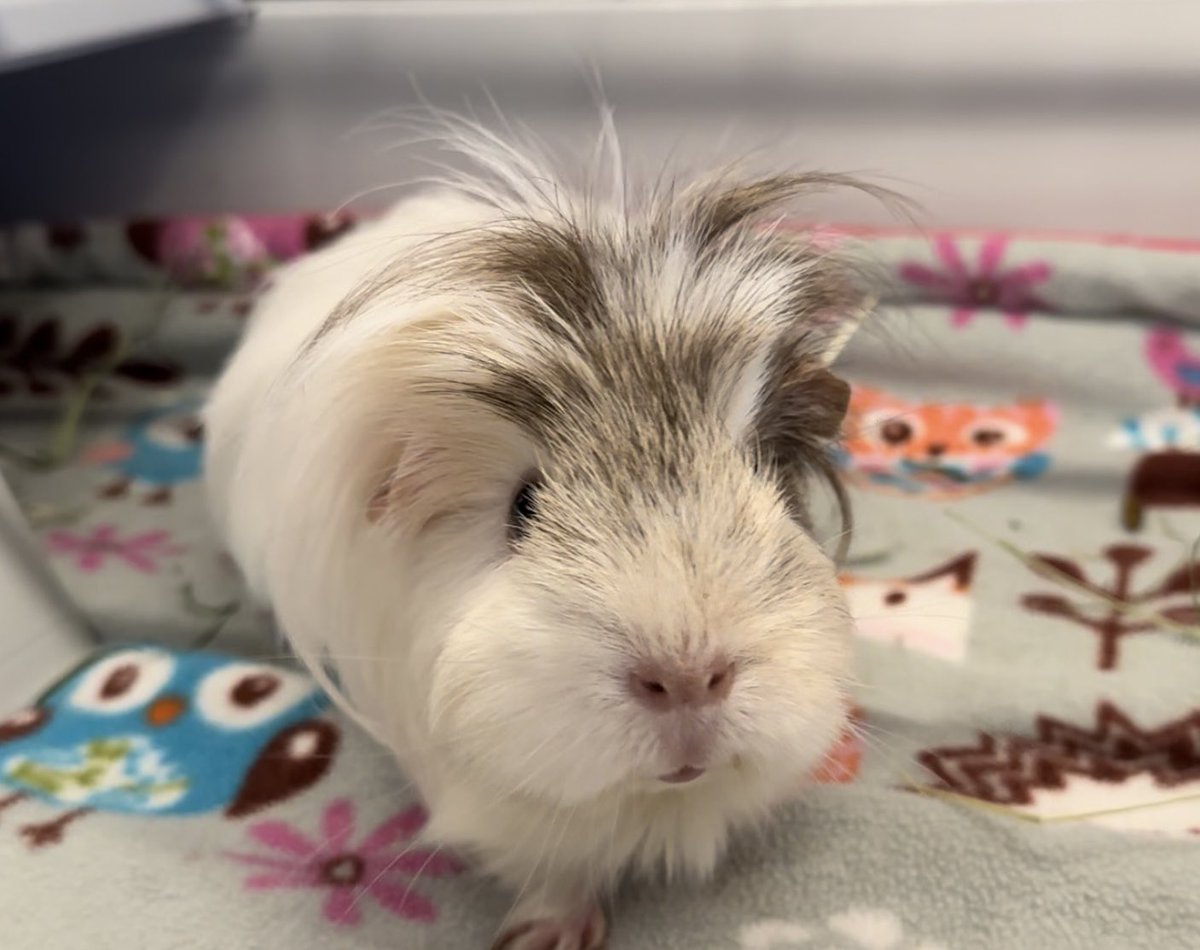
530, 473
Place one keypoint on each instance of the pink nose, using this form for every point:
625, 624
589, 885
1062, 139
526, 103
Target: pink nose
664, 686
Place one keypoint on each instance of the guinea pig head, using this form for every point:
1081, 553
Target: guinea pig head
601, 469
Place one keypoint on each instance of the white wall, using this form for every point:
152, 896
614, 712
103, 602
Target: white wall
1081, 114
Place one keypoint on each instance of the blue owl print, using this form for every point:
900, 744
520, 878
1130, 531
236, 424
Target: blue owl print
150, 731
159, 450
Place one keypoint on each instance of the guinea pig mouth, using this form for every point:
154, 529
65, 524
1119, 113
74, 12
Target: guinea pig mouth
688, 773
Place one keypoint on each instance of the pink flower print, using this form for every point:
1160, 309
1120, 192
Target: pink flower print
1175, 364
1009, 290
290, 236
347, 872
224, 251
142, 552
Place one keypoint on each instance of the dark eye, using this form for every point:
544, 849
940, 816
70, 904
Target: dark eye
985, 438
254, 689
896, 432
119, 681
193, 429
122, 681
523, 510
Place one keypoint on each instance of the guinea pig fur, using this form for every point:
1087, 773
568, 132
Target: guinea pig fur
526, 472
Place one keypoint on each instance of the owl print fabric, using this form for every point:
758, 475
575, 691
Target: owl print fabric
1022, 766
146, 730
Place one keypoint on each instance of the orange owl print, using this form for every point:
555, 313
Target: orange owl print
943, 451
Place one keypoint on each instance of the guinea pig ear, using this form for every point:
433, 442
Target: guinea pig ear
799, 417
411, 473
840, 329
801, 409
823, 399
426, 479
803, 403
439, 454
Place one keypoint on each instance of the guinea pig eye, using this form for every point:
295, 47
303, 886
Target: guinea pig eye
245, 695
122, 681
523, 510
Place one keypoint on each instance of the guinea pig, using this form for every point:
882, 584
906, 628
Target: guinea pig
526, 474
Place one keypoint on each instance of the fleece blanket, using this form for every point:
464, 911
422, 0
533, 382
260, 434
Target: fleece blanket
1023, 450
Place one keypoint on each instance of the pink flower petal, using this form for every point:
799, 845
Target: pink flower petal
281, 836
341, 907
928, 278
1016, 320
947, 250
138, 562
337, 825
403, 901
266, 861
399, 827
991, 253
90, 561
1035, 272
271, 881
104, 532
148, 539
281, 237
421, 863
61, 542
1018, 299
961, 317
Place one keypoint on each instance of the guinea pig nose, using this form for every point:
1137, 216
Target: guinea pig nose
936, 449
663, 686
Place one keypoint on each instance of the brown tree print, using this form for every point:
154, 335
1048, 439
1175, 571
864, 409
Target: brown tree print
1116, 609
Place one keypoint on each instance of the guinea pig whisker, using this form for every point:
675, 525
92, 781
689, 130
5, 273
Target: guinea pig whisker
613, 850
544, 851
483, 730
521, 786
876, 737
391, 864
526, 782
372, 658
878, 733
284, 657
300, 922
907, 615
845, 533
357, 754
533, 869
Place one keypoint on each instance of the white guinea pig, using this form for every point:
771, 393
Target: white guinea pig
529, 471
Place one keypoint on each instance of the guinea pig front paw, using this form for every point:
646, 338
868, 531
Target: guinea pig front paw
584, 930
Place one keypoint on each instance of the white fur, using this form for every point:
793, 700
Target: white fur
498, 681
